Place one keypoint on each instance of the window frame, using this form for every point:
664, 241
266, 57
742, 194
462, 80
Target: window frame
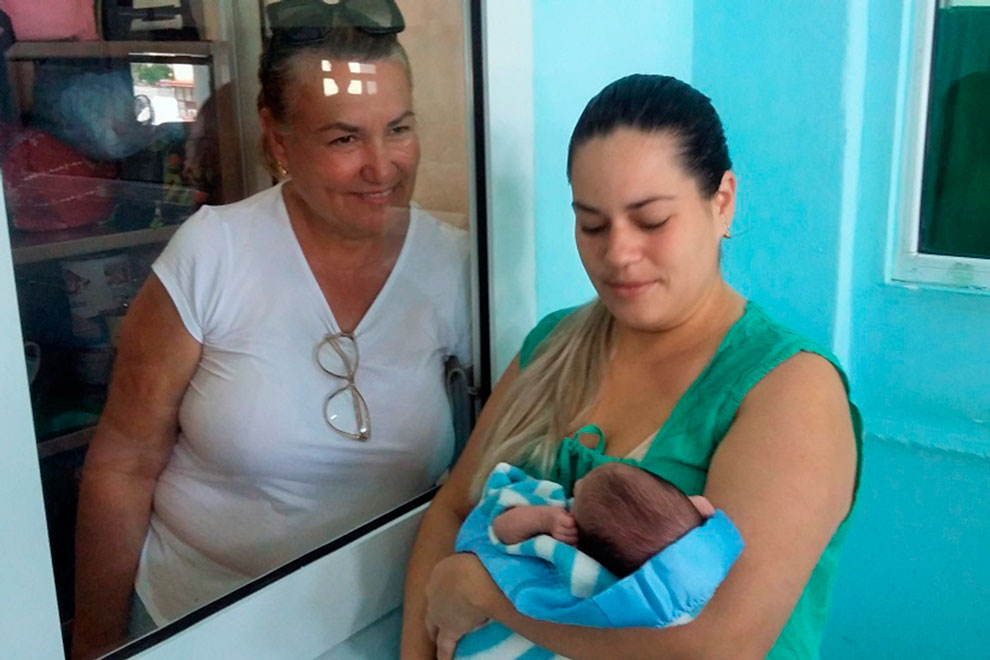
907, 265
287, 613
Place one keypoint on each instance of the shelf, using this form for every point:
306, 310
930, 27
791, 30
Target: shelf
33, 50
67, 442
31, 247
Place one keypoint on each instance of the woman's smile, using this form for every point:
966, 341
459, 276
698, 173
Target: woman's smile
377, 198
629, 289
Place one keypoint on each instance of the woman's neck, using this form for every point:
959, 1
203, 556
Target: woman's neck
344, 243
703, 324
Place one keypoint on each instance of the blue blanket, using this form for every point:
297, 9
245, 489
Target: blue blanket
549, 580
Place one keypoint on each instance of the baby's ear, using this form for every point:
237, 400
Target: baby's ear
703, 506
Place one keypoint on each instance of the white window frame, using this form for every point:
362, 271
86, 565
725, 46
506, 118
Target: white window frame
906, 264
317, 610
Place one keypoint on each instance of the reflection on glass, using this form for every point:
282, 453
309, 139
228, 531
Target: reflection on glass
214, 461
361, 67
106, 150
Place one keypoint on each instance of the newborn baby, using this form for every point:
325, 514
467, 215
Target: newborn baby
564, 560
620, 516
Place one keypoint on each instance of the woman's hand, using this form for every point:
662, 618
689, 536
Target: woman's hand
457, 596
435, 543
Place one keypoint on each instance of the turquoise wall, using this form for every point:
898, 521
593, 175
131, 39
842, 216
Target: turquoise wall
914, 578
775, 78
809, 94
579, 46
921, 358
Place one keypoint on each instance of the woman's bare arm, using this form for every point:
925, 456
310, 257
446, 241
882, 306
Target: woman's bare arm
134, 439
784, 473
438, 531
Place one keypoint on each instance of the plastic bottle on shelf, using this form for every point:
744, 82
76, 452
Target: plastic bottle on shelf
157, 220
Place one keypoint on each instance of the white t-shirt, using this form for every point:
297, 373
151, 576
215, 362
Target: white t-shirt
257, 477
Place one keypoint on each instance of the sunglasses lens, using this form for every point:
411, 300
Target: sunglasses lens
347, 413
376, 15
298, 14
338, 355
302, 35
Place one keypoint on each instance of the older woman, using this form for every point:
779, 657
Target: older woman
280, 375
683, 377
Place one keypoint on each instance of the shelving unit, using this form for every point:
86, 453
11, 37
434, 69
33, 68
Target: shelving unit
67, 442
36, 50
216, 55
69, 335
36, 254
30, 247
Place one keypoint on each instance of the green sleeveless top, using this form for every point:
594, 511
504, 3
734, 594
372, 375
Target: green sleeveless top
682, 449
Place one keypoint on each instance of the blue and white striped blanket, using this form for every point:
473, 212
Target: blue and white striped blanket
549, 580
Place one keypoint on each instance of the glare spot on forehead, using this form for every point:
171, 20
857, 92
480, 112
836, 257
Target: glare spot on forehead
362, 68
358, 87
327, 65
330, 87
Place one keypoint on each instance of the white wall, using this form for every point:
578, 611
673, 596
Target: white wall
28, 613
509, 110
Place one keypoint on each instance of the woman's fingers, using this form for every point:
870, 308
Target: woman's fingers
703, 506
450, 613
445, 646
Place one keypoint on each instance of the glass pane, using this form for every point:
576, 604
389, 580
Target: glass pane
123, 146
956, 190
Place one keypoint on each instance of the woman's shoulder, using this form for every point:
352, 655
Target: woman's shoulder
441, 231
264, 205
260, 204
437, 252
787, 371
768, 343
225, 226
541, 331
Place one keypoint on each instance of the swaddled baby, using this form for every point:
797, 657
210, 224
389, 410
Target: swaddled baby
629, 549
621, 516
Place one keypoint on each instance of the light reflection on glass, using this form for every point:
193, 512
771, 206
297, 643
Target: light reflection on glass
361, 67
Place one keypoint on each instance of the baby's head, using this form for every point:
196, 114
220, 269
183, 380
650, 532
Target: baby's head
625, 515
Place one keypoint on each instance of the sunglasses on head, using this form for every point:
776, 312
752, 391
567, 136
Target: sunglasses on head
305, 21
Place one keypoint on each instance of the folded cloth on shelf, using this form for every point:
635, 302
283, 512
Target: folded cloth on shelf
49, 185
52, 19
549, 580
90, 106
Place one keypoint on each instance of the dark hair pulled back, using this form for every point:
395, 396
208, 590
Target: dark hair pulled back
340, 43
654, 103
